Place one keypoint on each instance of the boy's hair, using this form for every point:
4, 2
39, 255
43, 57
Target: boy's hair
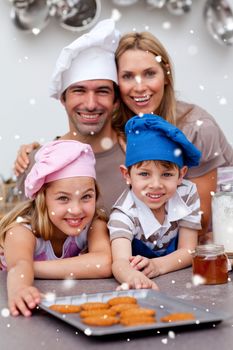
165, 163
35, 213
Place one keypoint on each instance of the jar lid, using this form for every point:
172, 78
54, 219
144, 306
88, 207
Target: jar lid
209, 249
227, 187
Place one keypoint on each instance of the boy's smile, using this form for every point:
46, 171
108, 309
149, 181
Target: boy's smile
154, 183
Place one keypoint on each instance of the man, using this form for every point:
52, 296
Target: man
84, 80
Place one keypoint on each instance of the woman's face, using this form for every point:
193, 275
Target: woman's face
141, 81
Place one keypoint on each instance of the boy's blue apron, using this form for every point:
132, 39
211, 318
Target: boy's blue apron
140, 248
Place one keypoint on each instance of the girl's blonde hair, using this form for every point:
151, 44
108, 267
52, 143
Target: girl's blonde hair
147, 42
35, 213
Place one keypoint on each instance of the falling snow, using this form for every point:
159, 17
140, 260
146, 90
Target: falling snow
197, 280
199, 122
19, 219
50, 297
116, 15
106, 143
69, 283
88, 331
158, 58
166, 25
5, 312
171, 335
138, 79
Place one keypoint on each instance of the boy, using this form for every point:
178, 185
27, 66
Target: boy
154, 224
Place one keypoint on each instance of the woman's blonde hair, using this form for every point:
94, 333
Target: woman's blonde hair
148, 42
35, 213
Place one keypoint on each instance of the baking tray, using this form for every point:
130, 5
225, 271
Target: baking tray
162, 303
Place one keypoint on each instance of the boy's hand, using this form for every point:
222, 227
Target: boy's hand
23, 300
137, 280
145, 265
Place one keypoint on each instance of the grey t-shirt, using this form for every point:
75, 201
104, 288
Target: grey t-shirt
203, 131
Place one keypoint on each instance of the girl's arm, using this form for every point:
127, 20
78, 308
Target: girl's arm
19, 246
94, 264
177, 260
205, 184
123, 271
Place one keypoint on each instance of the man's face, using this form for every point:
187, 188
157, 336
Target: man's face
89, 105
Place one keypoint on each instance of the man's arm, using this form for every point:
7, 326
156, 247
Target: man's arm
22, 176
22, 161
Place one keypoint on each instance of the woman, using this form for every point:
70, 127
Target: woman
146, 86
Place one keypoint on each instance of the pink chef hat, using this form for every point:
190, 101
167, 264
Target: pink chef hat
59, 160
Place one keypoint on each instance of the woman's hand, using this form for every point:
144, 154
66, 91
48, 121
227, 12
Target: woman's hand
23, 300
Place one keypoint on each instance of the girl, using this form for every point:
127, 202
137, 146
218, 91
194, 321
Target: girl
60, 221
146, 86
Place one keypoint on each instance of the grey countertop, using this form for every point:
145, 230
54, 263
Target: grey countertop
46, 332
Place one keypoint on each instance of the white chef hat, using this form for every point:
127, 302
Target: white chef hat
91, 56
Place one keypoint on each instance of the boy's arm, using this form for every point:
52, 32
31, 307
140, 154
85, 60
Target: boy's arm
94, 264
123, 271
19, 246
177, 260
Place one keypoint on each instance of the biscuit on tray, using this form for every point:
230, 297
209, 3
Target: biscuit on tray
103, 320
137, 312
94, 306
137, 320
65, 308
178, 316
121, 307
122, 300
97, 312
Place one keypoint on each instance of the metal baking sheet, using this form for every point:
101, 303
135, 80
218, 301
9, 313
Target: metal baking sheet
161, 303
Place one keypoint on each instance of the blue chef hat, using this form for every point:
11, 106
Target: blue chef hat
150, 137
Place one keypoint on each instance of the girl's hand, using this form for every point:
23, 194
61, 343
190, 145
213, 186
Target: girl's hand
23, 300
137, 280
145, 265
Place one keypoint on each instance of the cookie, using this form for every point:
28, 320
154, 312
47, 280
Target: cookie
179, 316
94, 306
65, 308
97, 312
103, 320
137, 312
137, 320
120, 307
122, 300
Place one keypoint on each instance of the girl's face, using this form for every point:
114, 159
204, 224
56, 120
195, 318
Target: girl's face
141, 81
71, 204
153, 183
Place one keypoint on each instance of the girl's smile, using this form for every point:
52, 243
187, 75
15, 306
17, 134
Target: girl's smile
71, 204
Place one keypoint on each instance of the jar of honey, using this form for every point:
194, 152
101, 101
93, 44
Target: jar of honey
210, 262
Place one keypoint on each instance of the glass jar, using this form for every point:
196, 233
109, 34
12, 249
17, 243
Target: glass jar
222, 217
210, 262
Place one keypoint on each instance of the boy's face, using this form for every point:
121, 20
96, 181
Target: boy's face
153, 183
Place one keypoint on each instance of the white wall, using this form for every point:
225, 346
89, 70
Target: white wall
204, 71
